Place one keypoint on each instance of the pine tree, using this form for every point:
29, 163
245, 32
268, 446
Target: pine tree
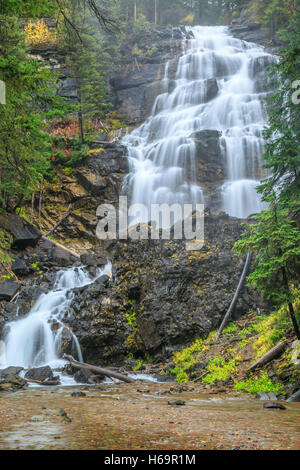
30, 95
87, 59
275, 238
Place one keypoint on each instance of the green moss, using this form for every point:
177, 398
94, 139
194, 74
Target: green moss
258, 383
186, 358
219, 369
36, 267
272, 328
230, 328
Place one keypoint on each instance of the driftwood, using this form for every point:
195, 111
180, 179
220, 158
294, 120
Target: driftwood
274, 352
15, 296
236, 296
45, 382
98, 370
60, 221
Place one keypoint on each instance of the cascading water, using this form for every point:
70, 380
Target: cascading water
213, 89
35, 339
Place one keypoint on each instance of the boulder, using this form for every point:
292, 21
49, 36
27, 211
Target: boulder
23, 233
269, 405
41, 374
90, 259
61, 257
8, 289
10, 379
19, 268
6, 374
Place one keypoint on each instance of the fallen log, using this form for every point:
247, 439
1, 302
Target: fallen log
99, 370
274, 352
236, 296
43, 382
73, 253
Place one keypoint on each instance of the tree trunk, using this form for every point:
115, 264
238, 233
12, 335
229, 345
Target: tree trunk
40, 205
291, 308
79, 113
274, 352
98, 370
61, 246
236, 296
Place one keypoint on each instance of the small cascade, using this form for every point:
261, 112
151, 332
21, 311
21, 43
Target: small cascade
214, 89
35, 339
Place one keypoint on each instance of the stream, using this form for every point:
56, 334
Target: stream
138, 416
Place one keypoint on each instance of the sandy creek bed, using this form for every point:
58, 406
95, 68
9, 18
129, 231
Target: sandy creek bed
138, 416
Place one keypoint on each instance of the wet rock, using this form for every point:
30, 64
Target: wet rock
40, 374
274, 405
8, 289
103, 280
61, 257
5, 374
23, 233
89, 259
10, 379
176, 402
82, 376
78, 394
19, 268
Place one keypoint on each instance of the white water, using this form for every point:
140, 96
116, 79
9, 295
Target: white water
35, 339
162, 153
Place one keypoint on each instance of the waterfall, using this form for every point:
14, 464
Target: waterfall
35, 339
214, 89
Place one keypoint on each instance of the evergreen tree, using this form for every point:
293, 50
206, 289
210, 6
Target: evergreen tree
30, 94
88, 61
275, 239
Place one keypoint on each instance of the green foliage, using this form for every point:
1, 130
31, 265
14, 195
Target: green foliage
25, 145
85, 49
230, 328
272, 328
258, 383
276, 243
185, 359
219, 369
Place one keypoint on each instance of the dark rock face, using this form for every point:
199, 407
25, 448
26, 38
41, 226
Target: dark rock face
98, 180
8, 289
246, 28
163, 296
137, 88
23, 233
258, 68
